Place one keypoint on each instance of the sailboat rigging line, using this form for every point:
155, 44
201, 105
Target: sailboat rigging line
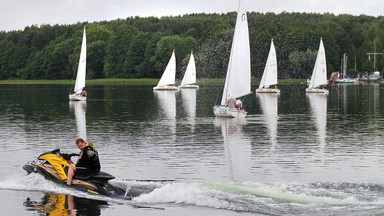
217, 96
245, 96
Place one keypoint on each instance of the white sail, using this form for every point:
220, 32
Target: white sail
168, 77
190, 72
81, 70
238, 80
270, 70
319, 74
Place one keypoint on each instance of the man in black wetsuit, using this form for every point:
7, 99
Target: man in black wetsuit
88, 162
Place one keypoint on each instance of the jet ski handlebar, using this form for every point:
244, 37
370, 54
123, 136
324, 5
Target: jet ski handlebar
57, 152
68, 156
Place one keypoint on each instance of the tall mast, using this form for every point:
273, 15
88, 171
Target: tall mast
374, 55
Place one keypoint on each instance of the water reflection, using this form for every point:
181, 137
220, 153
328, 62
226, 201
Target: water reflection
343, 97
189, 101
269, 105
59, 204
318, 103
188, 97
167, 101
237, 147
376, 97
80, 108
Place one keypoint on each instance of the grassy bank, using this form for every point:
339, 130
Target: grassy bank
88, 82
144, 81
254, 81
36, 81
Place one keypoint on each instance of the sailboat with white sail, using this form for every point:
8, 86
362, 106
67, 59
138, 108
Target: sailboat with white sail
238, 79
81, 72
189, 79
167, 80
269, 77
319, 74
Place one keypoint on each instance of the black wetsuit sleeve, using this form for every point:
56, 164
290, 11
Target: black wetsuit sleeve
89, 159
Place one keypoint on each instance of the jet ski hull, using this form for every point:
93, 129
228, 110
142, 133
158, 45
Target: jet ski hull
95, 184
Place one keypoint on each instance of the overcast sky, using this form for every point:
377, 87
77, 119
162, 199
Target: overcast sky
17, 14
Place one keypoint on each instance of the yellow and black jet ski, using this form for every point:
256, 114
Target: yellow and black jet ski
54, 166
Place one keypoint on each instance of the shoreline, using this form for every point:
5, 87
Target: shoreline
143, 81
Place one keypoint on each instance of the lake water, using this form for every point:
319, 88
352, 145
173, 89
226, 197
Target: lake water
294, 154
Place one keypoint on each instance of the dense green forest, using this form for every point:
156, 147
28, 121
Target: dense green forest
141, 47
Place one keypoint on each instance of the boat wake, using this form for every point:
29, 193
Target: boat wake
276, 199
36, 182
271, 199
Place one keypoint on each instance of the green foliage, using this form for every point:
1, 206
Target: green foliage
13, 58
353, 72
116, 50
302, 62
56, 59
138, 47
214, 54
136, 60
164, 48
374, 36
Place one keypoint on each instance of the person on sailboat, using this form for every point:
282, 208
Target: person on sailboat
231, 103
88, 162
239, 104
84, 93
322, 87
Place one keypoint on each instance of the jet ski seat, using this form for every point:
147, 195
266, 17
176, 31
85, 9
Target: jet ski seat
100, 176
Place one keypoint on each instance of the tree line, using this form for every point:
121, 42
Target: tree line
138, 47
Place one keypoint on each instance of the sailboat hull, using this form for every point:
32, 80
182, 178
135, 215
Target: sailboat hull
165, 88
346, 81
316, 90
224, 111
73, 97
268, 90
189, 87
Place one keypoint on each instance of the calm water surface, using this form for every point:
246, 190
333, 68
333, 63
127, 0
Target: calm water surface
294, 154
